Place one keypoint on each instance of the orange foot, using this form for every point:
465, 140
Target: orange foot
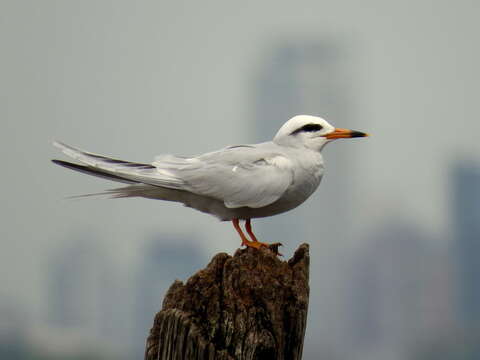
254, 243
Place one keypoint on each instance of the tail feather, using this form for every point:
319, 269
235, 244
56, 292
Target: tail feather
118, 170
142, 190
96, 160
92, 171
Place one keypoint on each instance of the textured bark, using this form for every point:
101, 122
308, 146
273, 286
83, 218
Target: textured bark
248, 306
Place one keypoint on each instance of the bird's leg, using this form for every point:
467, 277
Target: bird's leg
248, 227
245, 241
236, 225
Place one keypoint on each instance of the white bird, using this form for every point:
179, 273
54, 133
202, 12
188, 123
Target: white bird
239, 182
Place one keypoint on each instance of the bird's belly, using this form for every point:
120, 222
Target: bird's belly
293, 197
303, 186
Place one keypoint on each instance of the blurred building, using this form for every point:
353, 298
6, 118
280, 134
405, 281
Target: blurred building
84, 297
73, 286
163, 261
466, 215
13, 330
400, 294
309, 77
312, 77
93, 306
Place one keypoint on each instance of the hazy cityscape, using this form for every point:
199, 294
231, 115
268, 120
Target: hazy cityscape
400, 293
394, 228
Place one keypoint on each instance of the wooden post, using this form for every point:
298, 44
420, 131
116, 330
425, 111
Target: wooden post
251, 305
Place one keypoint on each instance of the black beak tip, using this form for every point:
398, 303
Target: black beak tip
356, 134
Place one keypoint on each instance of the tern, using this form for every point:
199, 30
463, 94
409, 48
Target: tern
239, 182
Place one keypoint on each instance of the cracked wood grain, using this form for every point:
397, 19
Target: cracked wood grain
248, 306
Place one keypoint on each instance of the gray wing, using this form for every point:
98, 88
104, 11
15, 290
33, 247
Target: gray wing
239, 176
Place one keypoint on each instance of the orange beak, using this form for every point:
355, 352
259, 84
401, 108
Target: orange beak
345, 133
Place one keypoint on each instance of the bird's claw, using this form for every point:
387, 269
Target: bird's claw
274, 247
257, 245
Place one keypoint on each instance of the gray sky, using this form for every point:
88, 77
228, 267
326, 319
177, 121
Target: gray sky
135, 79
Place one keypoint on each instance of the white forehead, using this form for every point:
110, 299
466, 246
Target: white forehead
298, 121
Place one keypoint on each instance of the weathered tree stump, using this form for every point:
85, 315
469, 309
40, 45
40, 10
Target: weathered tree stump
248, 306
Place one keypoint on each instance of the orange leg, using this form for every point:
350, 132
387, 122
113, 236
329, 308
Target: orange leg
248, 227
236, 225
255, 244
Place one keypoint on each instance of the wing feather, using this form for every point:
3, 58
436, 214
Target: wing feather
239, 176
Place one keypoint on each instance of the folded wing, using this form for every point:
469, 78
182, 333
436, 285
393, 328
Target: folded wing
240, 176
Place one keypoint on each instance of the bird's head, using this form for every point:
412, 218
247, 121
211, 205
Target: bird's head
311, 132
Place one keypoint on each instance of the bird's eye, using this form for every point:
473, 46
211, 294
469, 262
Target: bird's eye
312, 127
308, 128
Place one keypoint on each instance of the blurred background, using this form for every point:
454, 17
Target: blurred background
394, 228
